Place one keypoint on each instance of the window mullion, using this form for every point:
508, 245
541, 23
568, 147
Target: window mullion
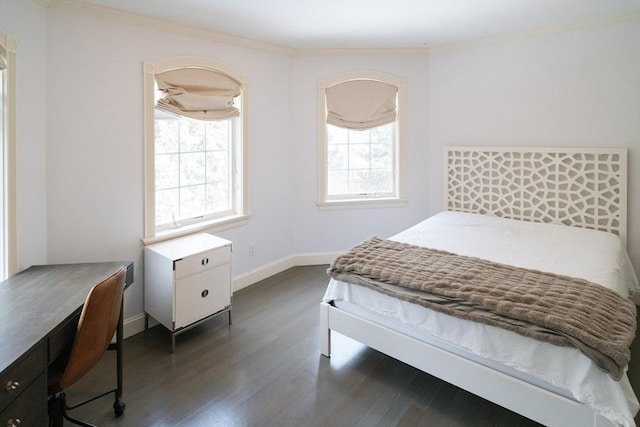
179, 136
206, 169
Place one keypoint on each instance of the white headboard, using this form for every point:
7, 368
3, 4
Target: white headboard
580, 187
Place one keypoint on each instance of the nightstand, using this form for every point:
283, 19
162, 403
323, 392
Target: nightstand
187, 280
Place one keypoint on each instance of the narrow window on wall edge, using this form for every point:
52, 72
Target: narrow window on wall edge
8, 226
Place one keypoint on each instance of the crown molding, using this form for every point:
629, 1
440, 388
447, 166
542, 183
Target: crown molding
360, 51
165, 25
540, 32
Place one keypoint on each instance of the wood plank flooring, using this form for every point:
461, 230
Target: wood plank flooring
266, 370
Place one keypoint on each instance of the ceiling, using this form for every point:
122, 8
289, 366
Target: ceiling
308, 24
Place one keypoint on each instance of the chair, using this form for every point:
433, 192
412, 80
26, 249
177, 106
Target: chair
95, 330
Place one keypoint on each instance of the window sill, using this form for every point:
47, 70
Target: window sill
218, 224
361, 204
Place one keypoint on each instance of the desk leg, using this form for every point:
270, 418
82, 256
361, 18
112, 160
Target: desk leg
119, 405
119, 339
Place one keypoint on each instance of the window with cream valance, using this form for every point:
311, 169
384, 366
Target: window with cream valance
195, 147
198, 93
360, 139
361, 104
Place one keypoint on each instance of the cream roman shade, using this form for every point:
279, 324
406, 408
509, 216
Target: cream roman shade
361, 104
198, 93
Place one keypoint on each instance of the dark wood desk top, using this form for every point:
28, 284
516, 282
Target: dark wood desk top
35, 301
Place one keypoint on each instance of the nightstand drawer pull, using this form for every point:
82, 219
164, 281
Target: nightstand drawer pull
12, 385
205, 293
205, 261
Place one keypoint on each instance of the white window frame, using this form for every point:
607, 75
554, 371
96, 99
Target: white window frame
240, 215
9, 262
325, 201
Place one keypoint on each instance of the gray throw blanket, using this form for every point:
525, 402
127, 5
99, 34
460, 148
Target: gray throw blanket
548, 307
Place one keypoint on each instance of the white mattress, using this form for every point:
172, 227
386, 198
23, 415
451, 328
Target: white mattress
592, 255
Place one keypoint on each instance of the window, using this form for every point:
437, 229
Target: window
8, 237
360, 163
360, 153
195, 148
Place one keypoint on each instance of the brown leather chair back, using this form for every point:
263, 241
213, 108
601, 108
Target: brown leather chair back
96, 327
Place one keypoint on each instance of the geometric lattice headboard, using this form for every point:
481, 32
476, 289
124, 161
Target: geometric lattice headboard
580, 187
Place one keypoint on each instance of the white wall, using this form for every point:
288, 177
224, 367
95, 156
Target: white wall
579, 88
95, 145
92, 218
337, 230
26, 22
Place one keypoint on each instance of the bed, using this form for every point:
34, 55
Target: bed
561, 211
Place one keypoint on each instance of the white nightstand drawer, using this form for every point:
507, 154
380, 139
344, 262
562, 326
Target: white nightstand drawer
201, 295
202, 261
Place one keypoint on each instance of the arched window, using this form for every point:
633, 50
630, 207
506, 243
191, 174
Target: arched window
8, 237
360, 140
195, 147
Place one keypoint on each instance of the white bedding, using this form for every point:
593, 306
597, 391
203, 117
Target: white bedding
595, 256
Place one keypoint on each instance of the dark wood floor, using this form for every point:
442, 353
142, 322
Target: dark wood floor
266, 370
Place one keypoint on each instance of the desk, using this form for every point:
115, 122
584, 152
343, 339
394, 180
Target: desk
39, 309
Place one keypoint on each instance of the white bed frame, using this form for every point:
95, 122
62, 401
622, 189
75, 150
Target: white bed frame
576, 187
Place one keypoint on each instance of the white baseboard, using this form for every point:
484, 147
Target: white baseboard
263, 272
135, 324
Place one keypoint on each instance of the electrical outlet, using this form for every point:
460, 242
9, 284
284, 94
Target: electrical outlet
252, 249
